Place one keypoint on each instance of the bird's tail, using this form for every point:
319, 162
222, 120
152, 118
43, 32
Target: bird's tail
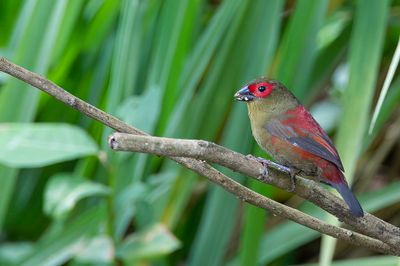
343, 188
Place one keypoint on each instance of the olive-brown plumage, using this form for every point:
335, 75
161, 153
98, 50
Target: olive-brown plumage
289, 133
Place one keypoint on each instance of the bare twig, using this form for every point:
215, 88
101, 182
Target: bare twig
386, 233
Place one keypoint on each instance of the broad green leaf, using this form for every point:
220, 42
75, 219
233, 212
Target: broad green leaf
98, 250
18, 102
102, 19
63, 192
150, 244
158, 185
253, 227
37, 145
11, 253
142, 111
64, 241
332, 28
125, 205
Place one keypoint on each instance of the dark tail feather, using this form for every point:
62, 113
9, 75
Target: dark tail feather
349, 198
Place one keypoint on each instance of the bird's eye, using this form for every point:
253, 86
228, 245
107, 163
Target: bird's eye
261, 88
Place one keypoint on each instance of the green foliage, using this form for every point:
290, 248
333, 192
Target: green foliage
64, 191
39, 145
170, 68
152, 242
371, 17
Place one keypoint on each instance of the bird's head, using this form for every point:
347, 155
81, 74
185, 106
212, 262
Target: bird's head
258, 89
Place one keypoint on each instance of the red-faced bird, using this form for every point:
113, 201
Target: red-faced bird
289, 133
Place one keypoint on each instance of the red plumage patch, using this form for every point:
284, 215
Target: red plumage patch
305, 126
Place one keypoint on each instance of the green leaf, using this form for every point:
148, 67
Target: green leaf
63, 241
363, 73
99, 249
63, 191
253, 227
370, 261
390, 104
142, 111
120, 70
298, 48
11, 253
200, 57
388, 80
151, 204
38, 145
18, 102
152, 243
125, 206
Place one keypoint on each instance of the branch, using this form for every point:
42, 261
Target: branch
387, 234
198, 149
211, 152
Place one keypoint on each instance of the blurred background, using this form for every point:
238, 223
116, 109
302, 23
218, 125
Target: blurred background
171, 68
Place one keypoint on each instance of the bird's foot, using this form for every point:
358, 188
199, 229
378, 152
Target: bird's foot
267, 163
264, 176
292, 173
270, 163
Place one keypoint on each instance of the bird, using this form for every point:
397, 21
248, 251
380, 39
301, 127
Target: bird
286, 130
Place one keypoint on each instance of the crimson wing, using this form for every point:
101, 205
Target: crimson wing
300, 129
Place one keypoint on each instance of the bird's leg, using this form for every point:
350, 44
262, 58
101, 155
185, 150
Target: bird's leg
292, 173
270, 163
264, 175
267, 163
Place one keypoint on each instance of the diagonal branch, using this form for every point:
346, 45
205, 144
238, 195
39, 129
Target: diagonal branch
370, 225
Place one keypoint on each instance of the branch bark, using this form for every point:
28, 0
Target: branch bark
387, 236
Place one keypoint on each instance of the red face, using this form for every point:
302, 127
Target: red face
261, 89
256, 90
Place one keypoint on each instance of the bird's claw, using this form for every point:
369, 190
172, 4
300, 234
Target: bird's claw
292, 173
264, 176
267, 163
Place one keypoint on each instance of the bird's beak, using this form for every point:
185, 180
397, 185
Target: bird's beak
244, 95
